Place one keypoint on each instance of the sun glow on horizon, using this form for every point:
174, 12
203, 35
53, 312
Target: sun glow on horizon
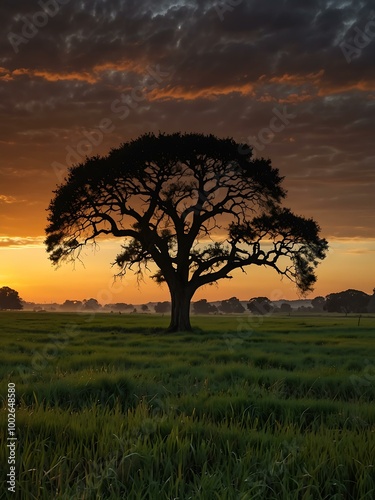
29, 271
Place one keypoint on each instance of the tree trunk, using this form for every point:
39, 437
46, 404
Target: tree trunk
180, 314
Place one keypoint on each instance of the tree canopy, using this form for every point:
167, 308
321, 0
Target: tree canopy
260, 305
318, 303
196, 206
285, 308
232, 305
162, 307
9, 298
204, 307
349, 301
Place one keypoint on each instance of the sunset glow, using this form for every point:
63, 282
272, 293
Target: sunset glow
96, 76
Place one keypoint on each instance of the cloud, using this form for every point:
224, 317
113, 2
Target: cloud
353, 246
207, 93
20, 241
7, 199
225, 77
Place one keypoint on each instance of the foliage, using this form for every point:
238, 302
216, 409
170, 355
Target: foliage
371, 304
305, 309
204, 307
71, 305
318, 304
165, 195
285, 307
90, 305
162, 307
232, 305
9, 299
118, 306
349, 301
260, 305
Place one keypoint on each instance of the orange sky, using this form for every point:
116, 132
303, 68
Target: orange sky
183, 67
29, 272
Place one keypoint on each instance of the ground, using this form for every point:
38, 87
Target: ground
244, 407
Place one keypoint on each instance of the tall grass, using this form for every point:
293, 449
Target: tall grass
123, 410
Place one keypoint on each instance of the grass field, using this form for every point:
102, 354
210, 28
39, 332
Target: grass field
111, 407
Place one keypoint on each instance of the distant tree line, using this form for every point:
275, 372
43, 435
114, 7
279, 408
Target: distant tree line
232, 305
118, 307
348, 301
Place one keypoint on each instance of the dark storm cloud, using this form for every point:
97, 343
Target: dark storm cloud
268, 37
224, 73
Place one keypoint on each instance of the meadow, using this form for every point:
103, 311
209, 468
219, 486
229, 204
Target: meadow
110, 406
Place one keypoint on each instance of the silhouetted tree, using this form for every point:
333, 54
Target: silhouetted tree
144, 308
318, 304
162, 307
119, 306
259, 305
164, 194
71, 305
9, 299
204, 307
371, 303
91, 305
232, 305
305, 309
349, 301
285, 308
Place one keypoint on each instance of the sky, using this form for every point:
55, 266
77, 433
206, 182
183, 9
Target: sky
294, 79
